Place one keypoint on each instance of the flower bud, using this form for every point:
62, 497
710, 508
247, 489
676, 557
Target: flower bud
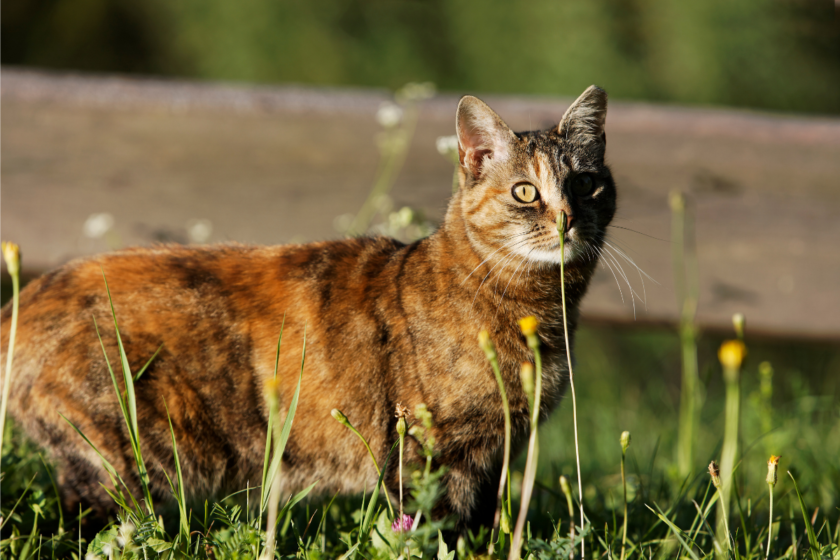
504, 521
461, 547
564, 486
11, 254
772, 465
401, 427
739, 322
486, 345
714, 471
677, 201
527, 376
732, 354
625, 441
562, 221
338, 415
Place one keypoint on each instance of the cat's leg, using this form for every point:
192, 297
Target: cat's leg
472, 497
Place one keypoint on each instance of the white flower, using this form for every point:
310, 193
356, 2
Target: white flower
199, 231
389, 114
98, 225
446, 145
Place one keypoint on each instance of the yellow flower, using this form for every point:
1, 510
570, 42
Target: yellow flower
732, 354
772, 465
528, 325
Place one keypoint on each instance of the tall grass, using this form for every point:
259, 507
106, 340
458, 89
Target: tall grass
657, 515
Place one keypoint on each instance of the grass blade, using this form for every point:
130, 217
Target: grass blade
270, 428
287, 427
814, 545
181, 495
375, 495
675, 530
146, 366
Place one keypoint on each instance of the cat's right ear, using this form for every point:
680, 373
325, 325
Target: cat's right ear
482, 135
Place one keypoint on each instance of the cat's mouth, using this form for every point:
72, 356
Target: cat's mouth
549, 250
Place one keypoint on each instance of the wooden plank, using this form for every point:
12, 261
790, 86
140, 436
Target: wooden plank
275, 164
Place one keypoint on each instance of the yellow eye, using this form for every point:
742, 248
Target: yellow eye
525, 193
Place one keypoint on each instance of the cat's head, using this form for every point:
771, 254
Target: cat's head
514, 185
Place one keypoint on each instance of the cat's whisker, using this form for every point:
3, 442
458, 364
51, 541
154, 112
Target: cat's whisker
627, 257
633, 293
623, 255
606, 261
640, 233
638, 269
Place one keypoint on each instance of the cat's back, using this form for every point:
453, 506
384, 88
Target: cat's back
199, 295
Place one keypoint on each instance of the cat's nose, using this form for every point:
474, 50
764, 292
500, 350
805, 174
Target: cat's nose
569, 220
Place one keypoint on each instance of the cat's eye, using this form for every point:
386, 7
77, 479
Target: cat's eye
583, 184
525, 193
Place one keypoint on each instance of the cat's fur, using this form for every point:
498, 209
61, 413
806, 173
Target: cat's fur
385, 322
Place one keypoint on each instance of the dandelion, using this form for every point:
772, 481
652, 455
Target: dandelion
562, 224
127, 530
772, 466
739, 323
389, 114
732, 354
97, 225
342, 419
402, 424
714, 471
501, 518
625, 443
199, 231
526, 374
11, 254
529, 326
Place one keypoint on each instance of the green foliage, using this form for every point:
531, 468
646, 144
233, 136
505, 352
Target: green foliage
616, 391
764, 54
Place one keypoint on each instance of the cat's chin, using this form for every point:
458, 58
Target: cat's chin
549, 256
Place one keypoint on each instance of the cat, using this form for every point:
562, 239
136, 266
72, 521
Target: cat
385, 323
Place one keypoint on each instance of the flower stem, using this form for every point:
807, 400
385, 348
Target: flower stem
561, 230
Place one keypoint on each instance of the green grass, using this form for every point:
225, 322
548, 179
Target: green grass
627, 379
788, 397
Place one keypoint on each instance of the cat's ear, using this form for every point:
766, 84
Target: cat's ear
482, 135
584, 120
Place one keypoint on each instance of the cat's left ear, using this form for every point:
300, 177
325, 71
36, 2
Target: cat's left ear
584, 120
482, 135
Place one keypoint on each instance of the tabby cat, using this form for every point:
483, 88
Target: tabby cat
385, 323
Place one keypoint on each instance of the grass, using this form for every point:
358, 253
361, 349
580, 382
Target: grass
650, 510
653, 499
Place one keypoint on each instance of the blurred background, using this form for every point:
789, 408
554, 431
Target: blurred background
779, 55
269, 122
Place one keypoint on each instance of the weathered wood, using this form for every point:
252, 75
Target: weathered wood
274, 164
